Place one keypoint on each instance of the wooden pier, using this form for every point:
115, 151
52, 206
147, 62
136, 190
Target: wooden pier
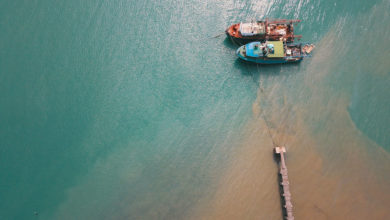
286, 195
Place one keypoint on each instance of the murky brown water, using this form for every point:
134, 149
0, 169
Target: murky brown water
335, 171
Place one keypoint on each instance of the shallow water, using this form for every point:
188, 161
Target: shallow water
132, 110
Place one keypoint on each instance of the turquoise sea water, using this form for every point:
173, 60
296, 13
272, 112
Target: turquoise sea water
131, 109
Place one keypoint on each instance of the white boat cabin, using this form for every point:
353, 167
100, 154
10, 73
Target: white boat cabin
252, 29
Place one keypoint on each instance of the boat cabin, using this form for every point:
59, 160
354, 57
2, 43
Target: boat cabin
252, 29
269, 49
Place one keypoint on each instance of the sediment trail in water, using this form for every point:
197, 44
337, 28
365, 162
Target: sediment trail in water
335, 171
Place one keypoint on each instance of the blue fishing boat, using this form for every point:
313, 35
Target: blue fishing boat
274, 52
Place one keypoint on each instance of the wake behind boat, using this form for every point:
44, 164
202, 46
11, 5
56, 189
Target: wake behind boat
274, 52
280, 29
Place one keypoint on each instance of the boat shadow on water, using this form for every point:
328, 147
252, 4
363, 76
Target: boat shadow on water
230, 44
255, 70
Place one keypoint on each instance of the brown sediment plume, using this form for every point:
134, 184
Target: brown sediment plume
341, 175
335, 171
250, 179
249, 188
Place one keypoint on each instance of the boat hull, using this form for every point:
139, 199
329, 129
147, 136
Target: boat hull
269, 61
242, 40
246, 40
